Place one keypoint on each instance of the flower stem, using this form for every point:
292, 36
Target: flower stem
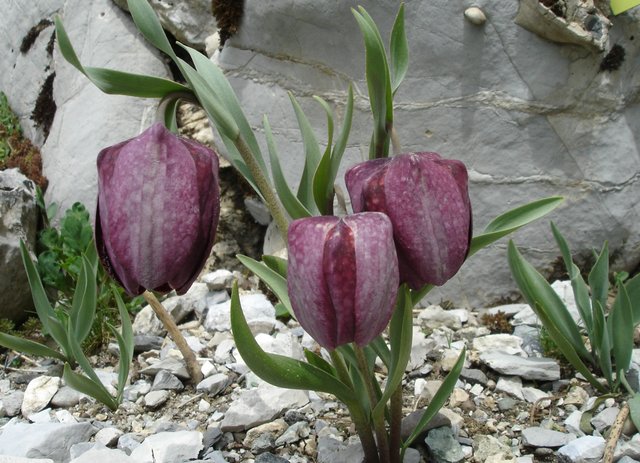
378, 419
358, 416
263, 184
169, 323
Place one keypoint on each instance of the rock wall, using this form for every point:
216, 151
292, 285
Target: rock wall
530, 118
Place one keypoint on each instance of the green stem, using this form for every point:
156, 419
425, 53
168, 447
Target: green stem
358, 416
263, 184
378, 419
395, 439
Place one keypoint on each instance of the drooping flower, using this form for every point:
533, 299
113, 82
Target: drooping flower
427, 199
158, 209
342, 277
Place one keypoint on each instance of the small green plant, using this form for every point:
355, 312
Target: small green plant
9, 126
70, 328
609, 331
59, 265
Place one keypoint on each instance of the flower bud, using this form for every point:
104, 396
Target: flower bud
427, 199
158, 208
342, 277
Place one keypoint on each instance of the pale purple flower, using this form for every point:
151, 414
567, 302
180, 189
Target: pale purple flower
158, 208
342, 277
427, 199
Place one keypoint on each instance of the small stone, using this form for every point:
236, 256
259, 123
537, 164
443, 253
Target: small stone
475, 16
541, 437
156, 399
605, 418
572, 423
263, 437
171, 364
435, 316
213, 384
576, 396
472, 375
586, 449
166, 381
457, 397
108, 436
218, 280
512, 385
410, 422
485, 446
506, 403
294, 433
67, 397
169, 447
270, 458
537, 368
258, 210
39, 393
444, 445
505, 343
146, 342
533, 395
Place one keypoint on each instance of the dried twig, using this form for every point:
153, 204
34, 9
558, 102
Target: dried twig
614, 434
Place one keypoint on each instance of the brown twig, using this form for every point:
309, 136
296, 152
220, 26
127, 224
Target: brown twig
170, 325
614, 434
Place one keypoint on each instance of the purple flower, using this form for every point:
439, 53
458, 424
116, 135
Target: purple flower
427, 199
342, 277
158, 208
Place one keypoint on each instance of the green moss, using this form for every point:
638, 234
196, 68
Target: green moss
9, 127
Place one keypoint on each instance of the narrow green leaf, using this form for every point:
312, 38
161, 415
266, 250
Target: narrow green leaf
271, 278
544, 300
317, 361
568, 351
290, 202
148, 23
87, 386
343, 137
322, 183
66, 48
634, 409
512, 220
633, 289
439, 399
378, 82
621, 320
29, 347
382, 350
170, 113
277, 264
580, 289
400, 335
312, 157
279, 370
218, 82
399, 51
83, 307
220, 116
125, 342
601, 343
82, 360
599, 278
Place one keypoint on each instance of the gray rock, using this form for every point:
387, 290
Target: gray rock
444, 446
99, 455
474, 376
108, 436
572, 423
486, 446
169, 447
256, 308
45, 440
505, 343
66, 397
605, 418
146, 342
261, 405
39, 393
537, 368
79, 132
218, 280
128, 442
9, 459
166, 381
294, 433
258, 211
270, 458
213, 384
553, 96
512, 385
12, 403
506, 403
331, 450
530, 336
542, 437
156, 399
533, 395
627, 459
587, 449
18, 221
190, 21
173, 365
136, 390
435, 316
263, 437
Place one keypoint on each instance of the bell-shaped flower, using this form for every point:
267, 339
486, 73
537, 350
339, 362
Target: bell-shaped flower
158, 209
342, 277
427, 199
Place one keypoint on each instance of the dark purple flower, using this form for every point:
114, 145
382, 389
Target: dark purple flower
158, 208
427, 199
342, 277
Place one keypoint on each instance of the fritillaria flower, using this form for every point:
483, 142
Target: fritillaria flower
158, 208
426, 198
342, 277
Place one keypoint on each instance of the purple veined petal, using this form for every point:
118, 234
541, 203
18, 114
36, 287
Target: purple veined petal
358, 176
308, 291
377, 277
158, 207
430, 215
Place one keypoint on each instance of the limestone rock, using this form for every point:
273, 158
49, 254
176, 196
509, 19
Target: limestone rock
169, 447
536, 368
39, 393
18, 221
